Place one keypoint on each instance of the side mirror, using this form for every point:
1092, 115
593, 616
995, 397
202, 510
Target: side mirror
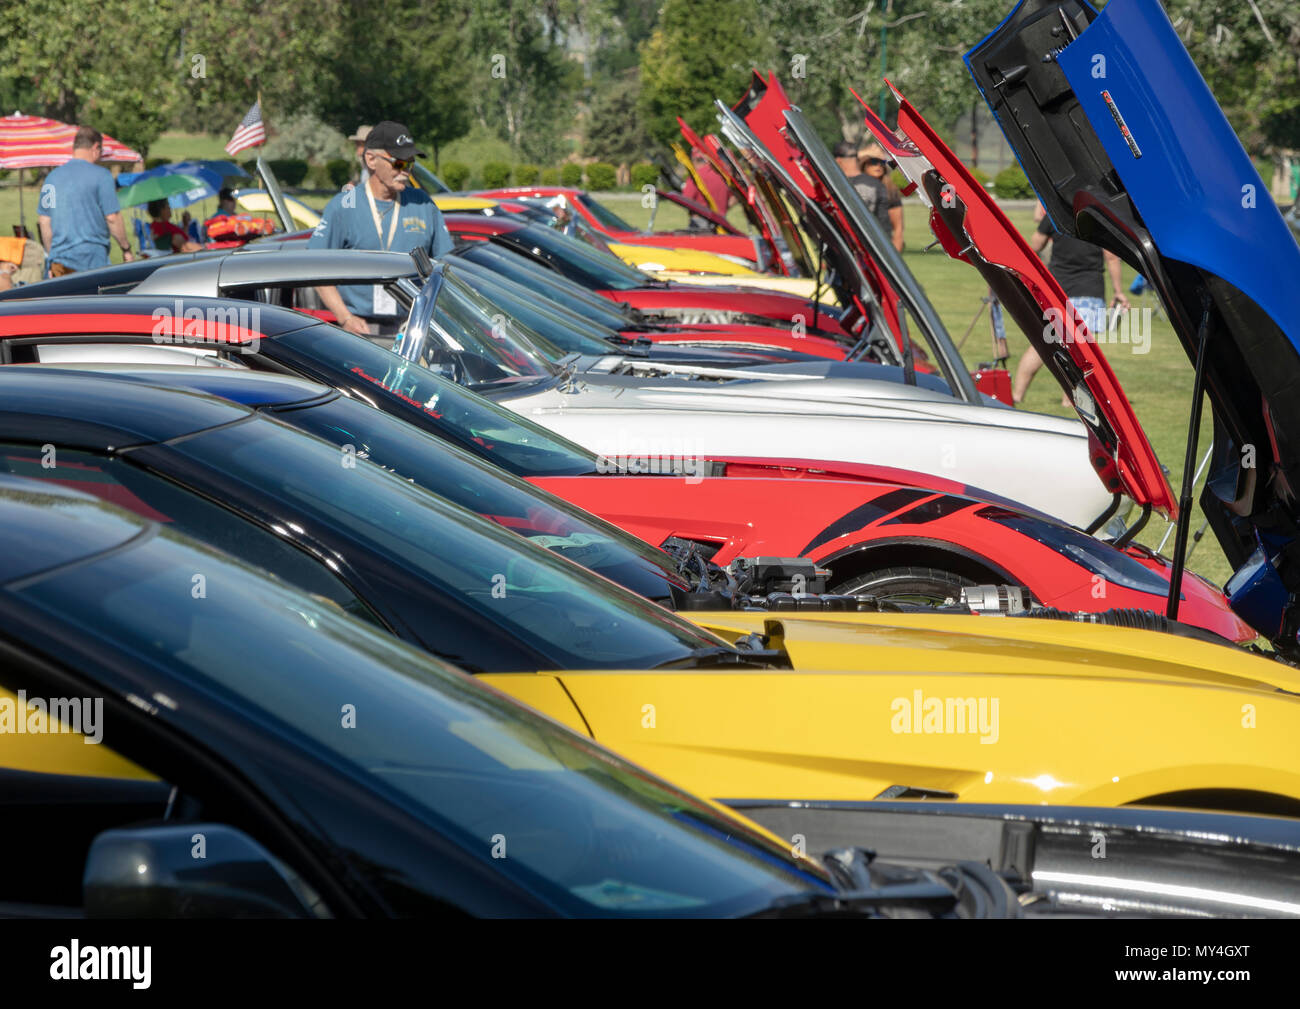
200, 870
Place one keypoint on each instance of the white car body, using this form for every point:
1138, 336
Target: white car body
1034, 459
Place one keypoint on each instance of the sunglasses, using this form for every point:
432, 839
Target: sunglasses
873, 162
400, 164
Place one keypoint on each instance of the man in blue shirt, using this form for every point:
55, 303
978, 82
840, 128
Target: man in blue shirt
382, 213
79, 210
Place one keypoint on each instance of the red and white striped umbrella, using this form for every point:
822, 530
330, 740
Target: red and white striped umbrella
37, 142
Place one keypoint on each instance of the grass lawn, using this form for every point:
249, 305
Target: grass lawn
1158, 383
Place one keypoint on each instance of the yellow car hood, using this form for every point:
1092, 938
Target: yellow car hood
980, 709
657, 259
937, 642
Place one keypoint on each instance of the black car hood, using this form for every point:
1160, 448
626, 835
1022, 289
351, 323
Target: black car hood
1124, 142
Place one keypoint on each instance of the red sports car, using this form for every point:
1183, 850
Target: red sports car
613, 227
687, 304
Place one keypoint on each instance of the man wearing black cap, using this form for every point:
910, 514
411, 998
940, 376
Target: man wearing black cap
381, 214
870, 189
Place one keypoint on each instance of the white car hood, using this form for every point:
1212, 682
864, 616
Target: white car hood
1038, 460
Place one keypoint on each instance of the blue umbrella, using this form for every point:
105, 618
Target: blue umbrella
210, 179
226, 169
209, 171
204, 175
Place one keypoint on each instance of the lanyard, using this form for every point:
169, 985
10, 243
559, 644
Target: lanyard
374, 215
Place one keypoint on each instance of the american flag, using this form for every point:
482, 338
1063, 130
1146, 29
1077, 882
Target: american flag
250, 132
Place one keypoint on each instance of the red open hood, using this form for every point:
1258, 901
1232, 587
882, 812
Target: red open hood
746, 193
793, 155
763, 107
972, 228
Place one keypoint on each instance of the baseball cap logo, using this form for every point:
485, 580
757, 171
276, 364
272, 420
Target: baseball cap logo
403, 140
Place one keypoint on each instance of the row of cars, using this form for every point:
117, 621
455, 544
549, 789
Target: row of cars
429, 629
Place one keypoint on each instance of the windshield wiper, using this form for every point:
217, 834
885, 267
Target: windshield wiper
873, 889
931, 895
723, 655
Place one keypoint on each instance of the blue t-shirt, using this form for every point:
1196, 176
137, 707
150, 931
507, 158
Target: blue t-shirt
347, 223
76, 197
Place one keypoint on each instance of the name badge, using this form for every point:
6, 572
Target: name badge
385, 303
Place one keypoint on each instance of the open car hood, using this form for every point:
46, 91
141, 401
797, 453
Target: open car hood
757, 205
809, 173
1127, 147
971, 227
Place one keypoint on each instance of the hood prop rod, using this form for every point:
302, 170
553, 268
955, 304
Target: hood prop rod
1104, 517
817, 287
1189, 462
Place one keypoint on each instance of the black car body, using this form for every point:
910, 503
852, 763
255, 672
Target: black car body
326, 769
343, 528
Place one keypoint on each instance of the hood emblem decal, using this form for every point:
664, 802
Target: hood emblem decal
1123, 126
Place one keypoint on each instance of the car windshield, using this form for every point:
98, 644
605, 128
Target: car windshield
554, 286
485, 428
478, 344
579, 261
586, 831
554, 324
606, 217
562, 613
488, 491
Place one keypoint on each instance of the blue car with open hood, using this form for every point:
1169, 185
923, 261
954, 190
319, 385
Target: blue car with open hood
1126, 146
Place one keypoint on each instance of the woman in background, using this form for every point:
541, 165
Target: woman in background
165, 234
888, 207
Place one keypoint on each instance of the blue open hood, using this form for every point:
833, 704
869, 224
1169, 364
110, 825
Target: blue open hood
1127, 148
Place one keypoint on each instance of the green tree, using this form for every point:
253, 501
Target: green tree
70, 59
831, 47
407, 66
1249, 54
230, 50
617, 133
514, 65
701, 50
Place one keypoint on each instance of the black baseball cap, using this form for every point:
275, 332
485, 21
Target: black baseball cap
394, 138
845, 149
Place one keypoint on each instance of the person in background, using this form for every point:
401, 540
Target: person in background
359, 138
846, 156
225, 205
190, 227
889, 210
225, 208
11, 260
1081, 268
22, 261
383, 213
165, 234
80, 212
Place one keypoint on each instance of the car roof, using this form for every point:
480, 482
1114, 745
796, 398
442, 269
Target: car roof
82, 410
44, 526
250, 388
477, 224
278, 263
117, 275
164, 316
